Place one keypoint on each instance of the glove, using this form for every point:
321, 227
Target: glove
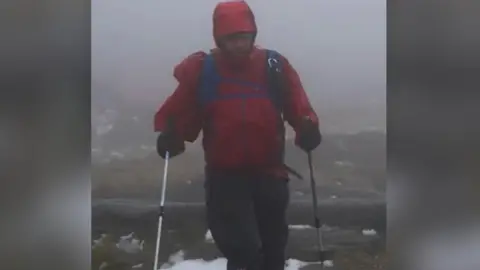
309, 136
167, 141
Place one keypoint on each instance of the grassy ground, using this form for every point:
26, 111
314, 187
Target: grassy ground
349, 161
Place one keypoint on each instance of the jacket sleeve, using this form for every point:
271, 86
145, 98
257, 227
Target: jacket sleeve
182, 106
297, 104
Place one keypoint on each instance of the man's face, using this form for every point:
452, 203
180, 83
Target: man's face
238, 45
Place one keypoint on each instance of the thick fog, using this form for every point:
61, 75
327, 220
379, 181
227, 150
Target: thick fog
338, 48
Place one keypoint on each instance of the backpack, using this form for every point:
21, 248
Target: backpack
209, 79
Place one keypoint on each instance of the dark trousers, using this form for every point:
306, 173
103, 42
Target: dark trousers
246, 214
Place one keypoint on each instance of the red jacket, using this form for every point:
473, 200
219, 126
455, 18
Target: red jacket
242, 132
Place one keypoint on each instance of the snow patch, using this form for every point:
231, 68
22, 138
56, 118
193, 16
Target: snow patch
103, 265
116, 154
299, 227
221, 264
328, 263
299, 193
324, 227
102, 130
218, 264
343, 163
293, 264
127, 243
209, 237
99, 241
368, 232
177, 257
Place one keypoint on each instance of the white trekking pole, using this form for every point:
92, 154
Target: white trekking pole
162, 203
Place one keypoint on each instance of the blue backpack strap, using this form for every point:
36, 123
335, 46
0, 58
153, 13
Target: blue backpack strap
207, 88
209, 78
275, 84
276, 90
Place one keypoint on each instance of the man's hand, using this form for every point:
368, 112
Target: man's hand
309, 136
167, 141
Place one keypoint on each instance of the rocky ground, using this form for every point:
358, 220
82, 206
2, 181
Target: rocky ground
350, 171
129, 252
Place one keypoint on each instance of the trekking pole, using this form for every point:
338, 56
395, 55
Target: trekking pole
324, 255
162, 203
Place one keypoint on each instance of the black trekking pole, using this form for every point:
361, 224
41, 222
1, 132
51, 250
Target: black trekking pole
324, 255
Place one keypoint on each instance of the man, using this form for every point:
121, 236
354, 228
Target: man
243, 138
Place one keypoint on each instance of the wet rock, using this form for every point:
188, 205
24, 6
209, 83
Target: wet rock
143, 215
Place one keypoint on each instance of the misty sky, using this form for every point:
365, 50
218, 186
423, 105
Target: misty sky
337, 46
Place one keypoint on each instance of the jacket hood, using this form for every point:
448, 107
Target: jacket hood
229, 18
232, 17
